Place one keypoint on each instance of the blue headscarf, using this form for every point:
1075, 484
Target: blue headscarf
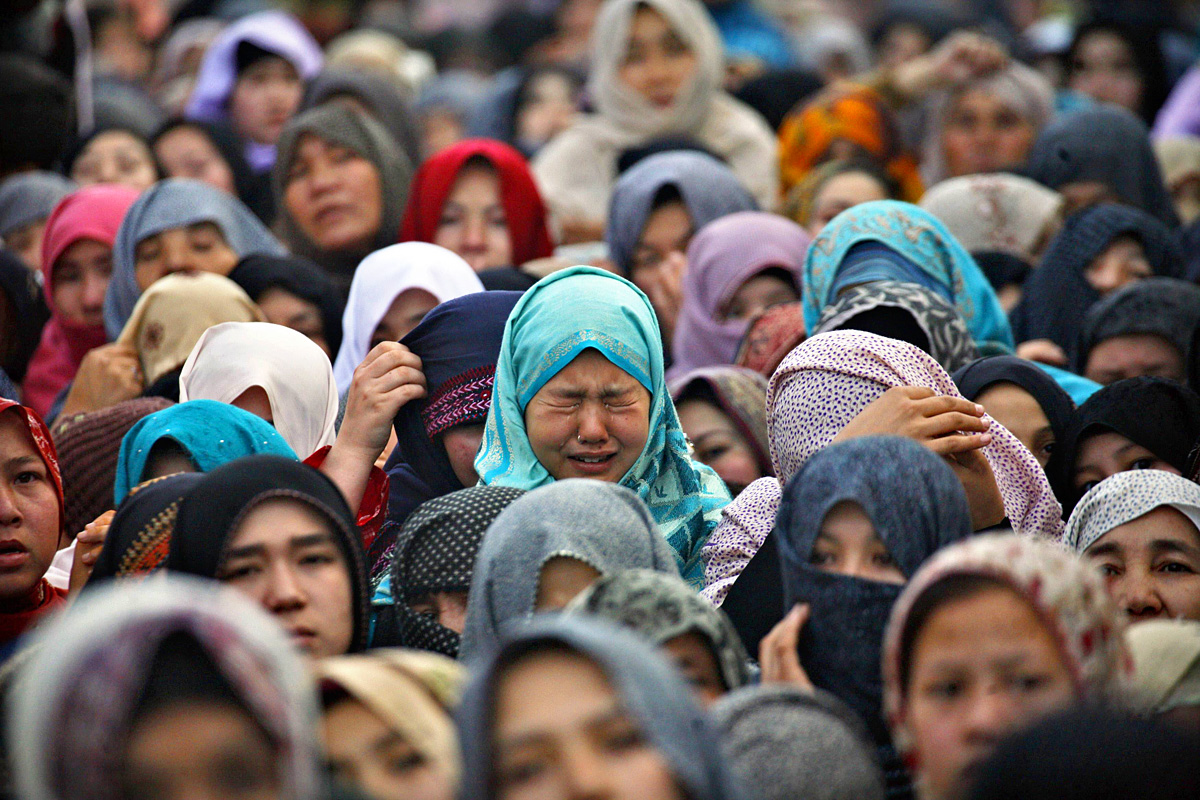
560, 317
211, 433
923, 252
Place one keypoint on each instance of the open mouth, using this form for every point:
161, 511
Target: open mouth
12, 553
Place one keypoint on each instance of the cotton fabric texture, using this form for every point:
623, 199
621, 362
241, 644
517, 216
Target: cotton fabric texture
139, 537
88, 671
1166, 664
1127, 496
724, 255
647, 688
942, 265
560, 317
380, 279
1168, 308
601, 524
996, 213
169, 204
94, 214
258, 274
740, 394
29, 197
287, 365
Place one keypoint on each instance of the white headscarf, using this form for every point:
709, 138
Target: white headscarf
1127, 496
380, 279
294, 372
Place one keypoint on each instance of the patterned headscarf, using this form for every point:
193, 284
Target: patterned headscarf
770, 336
139, 536
995, 213
1126, 496
741, 394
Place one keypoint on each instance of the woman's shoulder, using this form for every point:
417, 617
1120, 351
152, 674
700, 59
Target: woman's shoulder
739, 123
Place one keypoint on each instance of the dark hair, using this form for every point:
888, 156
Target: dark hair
34, 99
1143, 44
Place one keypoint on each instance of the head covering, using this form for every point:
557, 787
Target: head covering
740, 394
601, 524
1166, 664
139, 537
904, 311
660, 607
287, 365
648, 688
20, 288
1127, 496
996, 213
176, 203
258, 274
435, 551
93, 213
90, 670
251, 189
1057, 295
935, 260
524, 211
89, 444
365, 137
1164, 307
458, 344
29, 197
560, 317
724, 255
1069, 151
214, 508
785, 742
770, 336
800, 202
380, 279
1145, 39
1179, 159
1067, 594
383, 99
709, 190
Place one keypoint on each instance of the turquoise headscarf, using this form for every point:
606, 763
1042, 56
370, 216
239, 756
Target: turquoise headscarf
560, 317
918, 236
211, 433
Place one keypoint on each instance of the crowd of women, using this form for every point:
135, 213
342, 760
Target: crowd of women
599, 399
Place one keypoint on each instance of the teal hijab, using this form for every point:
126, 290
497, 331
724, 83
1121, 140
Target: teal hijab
211, 433
560, 317
919, 237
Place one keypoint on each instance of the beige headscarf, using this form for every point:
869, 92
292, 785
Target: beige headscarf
1166, 664
1179, 159
997, 213
172, 315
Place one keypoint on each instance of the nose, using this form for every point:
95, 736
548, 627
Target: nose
473, 232
108, 172
990, 716
94, 288
592, 427
10, 514
1138, 595
1107, 278
585, 774
283, 592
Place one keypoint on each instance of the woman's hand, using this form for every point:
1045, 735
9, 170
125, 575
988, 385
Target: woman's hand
778, 655
1043, 351
88, 545
944, 424
960, 58
108, 375
983, 495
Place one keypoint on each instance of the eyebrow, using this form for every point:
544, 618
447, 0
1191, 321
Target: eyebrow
21, 461
1170, 546
1105, 549
296, 543
526, 738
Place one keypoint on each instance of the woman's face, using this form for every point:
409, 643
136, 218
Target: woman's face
560, 731
195, 248
983, 134
364, 752
334, 195
658, 64
847, 544
186, 152
473, 222
1105, 70
759, 293
982, 667
28, 509
115, 157
660, 259
1121, 263
717, 442
562, 579
1134, 355
264, 98
281, 307
200, 750
694, 658
80, 280
462, 444
591, 420
1152, 565
840, 193
1102, 455
1019, 412
448, 609
26, 244
546, 109
404, 314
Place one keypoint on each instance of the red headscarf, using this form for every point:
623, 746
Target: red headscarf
95, 213
523, 207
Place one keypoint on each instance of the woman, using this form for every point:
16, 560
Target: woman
1141, 530
888, 240
281, 376
722, 411
26, 200
340, 184
665, 612
112, 154
279, 532
196, 436
1119, 64
821, 391
548, 681
139, 536
770, 336
548, 546
580, 393
294, 292
478, 199
200, 688
77, 249
633, 43
833, 187
972, 610
211, 152
392, 291
738, 266
387, 723
179, 225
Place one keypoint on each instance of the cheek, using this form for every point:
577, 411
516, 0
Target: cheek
737, 467
1181, 596
645, 774
147, 273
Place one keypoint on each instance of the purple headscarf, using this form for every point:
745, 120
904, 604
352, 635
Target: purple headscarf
724, 255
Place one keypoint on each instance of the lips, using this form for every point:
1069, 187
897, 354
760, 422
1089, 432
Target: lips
304, 638
591, 463
13, 554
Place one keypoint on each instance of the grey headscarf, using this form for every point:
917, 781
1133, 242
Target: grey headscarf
1126, 496
29, 197
660, 607
601, 524
177, 203
785, 743
649, 689
709, 190
1164, 307
383, 98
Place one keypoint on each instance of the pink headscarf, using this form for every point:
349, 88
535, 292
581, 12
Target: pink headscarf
725, 254
818, 389
94, 212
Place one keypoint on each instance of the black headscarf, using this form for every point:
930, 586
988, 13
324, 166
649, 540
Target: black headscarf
214, 507
253, 190
300, 277
27, 315
1164, 307
79, 144
139, 537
